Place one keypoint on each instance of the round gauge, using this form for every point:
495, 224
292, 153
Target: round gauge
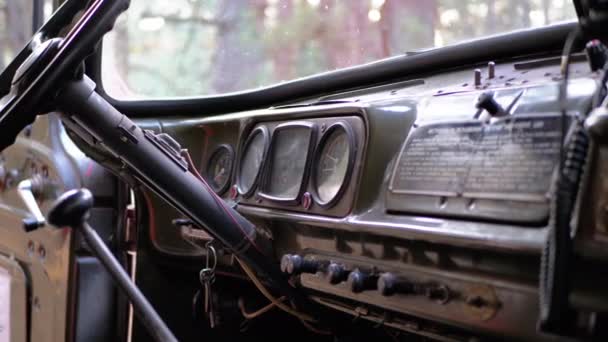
333, 163
219, 168
251, 161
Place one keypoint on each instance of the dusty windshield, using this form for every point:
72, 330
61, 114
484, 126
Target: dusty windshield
173, 48
15, 28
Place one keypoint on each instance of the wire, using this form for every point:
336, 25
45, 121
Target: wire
601, 90
270, 297
259, 312
563, 86
186, 155
555, 314
315, 329
273, 301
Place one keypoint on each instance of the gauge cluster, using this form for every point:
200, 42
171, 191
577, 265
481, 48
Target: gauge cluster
304, 165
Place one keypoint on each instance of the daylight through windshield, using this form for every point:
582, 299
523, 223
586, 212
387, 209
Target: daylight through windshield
168, 48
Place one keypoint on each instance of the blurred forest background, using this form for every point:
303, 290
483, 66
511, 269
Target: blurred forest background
163, 48
15, 28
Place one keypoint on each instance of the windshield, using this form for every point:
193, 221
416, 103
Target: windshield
15, 28
172, 48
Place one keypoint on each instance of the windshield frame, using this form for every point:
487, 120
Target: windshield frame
541, 41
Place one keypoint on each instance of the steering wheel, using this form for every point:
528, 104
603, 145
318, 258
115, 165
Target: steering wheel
30, 82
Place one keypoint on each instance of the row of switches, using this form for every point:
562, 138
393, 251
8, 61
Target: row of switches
358, 280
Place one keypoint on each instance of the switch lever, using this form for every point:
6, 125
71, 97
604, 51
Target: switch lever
488, 102
25, 189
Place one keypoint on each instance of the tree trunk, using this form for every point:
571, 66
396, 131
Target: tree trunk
227, 59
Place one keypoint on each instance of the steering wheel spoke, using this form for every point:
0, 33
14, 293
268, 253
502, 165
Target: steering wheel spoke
31, 81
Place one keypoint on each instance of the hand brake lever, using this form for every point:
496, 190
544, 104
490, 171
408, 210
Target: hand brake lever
72, 209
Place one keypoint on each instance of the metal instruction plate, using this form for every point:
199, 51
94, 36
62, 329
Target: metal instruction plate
510, 159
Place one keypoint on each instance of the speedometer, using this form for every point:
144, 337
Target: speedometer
254, 153
333, 163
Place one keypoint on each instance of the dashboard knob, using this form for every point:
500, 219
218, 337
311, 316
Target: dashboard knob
336, 273
488, 102
389, 284
596, 54
295, 264
360, 281
439, 293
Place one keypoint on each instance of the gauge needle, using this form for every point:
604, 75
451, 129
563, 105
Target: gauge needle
219, 174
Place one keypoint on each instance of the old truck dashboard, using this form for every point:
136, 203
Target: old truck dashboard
422, 205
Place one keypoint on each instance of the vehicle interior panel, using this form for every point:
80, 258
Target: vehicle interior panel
449, 194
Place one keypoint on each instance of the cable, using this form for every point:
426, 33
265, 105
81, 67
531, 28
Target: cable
315, 329
563, 86
555, 314
601, 90
270, 297
186, 155
274, 302
257, 313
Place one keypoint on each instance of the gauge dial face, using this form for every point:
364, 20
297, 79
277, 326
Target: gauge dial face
289, 156
333, 164
253, 156
219, 168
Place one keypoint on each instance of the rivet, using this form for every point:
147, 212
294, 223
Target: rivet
36, 303
31, 248
471, 204
42, 252
443, 202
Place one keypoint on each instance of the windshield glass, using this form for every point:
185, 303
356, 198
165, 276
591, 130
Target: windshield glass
171, 48
15, 28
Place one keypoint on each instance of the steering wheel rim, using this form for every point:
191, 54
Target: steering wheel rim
23, 100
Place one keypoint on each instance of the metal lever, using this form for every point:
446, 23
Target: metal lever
26, 192
72, 209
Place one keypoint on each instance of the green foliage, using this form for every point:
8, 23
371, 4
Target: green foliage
200, 47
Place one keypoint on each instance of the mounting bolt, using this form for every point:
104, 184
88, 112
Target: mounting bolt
477, 77
491, 70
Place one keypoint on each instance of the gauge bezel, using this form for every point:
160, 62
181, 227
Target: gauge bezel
267, 171
223, 147
352, 155
266, 137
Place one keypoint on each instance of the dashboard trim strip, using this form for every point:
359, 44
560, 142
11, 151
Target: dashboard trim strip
476, 235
